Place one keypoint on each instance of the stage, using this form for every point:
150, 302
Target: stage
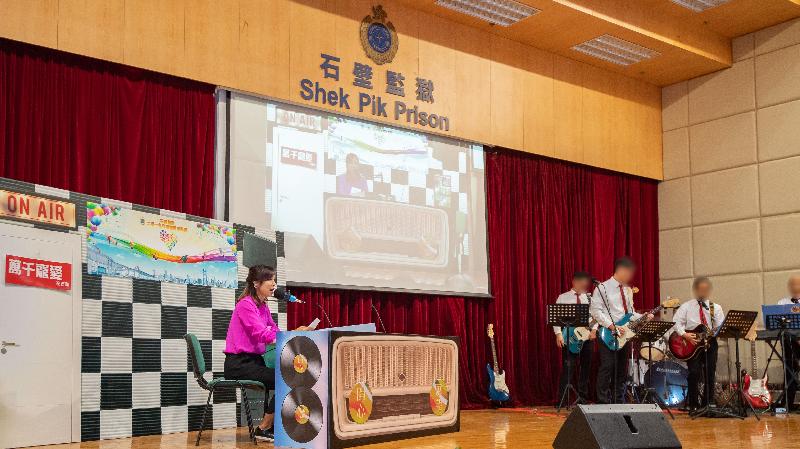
517, 428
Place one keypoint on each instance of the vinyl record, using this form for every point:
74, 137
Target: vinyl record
301, 362
301, 414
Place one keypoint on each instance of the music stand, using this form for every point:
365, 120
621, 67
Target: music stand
650, 332
568, 315
782, 318
736, 325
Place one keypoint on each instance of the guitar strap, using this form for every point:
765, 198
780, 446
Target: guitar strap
711, 312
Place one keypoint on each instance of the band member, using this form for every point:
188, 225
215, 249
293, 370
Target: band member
581, 281
692, 317
611, 301
250, 331
793, 355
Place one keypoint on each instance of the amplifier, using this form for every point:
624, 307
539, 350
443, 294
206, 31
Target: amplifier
387, 387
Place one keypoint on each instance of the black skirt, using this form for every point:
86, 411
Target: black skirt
251, 367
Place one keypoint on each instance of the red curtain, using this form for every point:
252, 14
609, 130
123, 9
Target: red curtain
106, 129
546, 219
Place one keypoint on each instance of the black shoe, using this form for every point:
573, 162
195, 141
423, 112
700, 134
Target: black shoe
264, 435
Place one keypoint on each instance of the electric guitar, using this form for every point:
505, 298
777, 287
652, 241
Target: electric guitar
498, 390
683, 349
755, 391
575, 337
615, 343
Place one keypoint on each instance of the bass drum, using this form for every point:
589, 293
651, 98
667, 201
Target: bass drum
669, 380
655, 352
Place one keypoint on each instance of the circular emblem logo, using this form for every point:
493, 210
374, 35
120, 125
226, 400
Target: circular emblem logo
359, 403
378, 36
439, 397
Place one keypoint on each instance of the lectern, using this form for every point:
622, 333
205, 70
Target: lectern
344, 387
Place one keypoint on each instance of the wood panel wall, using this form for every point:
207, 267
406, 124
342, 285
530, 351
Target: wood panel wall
495, 91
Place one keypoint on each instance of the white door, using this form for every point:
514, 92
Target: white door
40, 334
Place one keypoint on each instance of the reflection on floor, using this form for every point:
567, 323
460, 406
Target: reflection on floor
518, 428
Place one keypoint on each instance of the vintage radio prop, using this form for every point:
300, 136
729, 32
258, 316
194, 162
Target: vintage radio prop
337, 389
363, 230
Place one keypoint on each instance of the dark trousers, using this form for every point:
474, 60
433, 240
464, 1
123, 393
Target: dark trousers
252, 367
700, 372
605, 376
792, 357
580, 364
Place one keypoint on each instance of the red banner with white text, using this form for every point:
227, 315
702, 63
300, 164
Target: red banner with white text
38, 273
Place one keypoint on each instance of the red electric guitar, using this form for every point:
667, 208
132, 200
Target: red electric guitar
755, 391
683, 349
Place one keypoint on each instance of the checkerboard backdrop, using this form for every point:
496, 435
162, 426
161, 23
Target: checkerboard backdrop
136, 378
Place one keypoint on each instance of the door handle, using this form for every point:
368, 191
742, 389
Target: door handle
4, 344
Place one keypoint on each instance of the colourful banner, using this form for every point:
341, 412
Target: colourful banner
127, 243
38, 273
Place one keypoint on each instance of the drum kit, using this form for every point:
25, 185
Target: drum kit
667, 375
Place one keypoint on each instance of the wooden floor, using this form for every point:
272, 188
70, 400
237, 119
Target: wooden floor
519, 428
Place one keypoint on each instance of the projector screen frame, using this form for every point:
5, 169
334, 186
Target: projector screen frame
229, 95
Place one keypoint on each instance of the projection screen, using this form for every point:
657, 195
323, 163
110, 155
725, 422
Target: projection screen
361, 205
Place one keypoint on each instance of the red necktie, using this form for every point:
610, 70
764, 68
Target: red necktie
622, 295
702, 315
577, 298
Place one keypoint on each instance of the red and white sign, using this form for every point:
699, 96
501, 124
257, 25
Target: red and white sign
38, 273
303, 158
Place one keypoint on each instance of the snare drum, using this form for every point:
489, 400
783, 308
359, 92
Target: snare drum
655, 352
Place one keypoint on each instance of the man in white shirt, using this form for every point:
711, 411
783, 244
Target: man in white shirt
793, 356
693, 317
581, 281
611, 301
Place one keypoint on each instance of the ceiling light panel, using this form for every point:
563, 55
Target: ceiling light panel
700, 5
615, 50
498, 12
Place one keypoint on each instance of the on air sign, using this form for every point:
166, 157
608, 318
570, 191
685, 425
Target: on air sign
35, 208
38, 273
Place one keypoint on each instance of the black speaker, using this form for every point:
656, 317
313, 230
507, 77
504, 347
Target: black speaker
623, 426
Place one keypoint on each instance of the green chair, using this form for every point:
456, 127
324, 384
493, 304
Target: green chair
220, 383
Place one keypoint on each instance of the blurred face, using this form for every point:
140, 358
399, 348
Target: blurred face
581, 285
352, 165
703, 290
625, 274
264, 289
794, 286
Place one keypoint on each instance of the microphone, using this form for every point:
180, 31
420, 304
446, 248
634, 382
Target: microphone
283, 295
378, 314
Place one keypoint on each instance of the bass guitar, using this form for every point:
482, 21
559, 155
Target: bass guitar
756, 391
498, 390
616, 342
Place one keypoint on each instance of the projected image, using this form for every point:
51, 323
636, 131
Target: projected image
370, 205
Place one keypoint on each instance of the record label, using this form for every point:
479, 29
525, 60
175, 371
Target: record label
301, 415
301, 362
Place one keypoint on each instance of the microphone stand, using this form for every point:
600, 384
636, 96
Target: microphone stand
614, 333
327, 318
378, 314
